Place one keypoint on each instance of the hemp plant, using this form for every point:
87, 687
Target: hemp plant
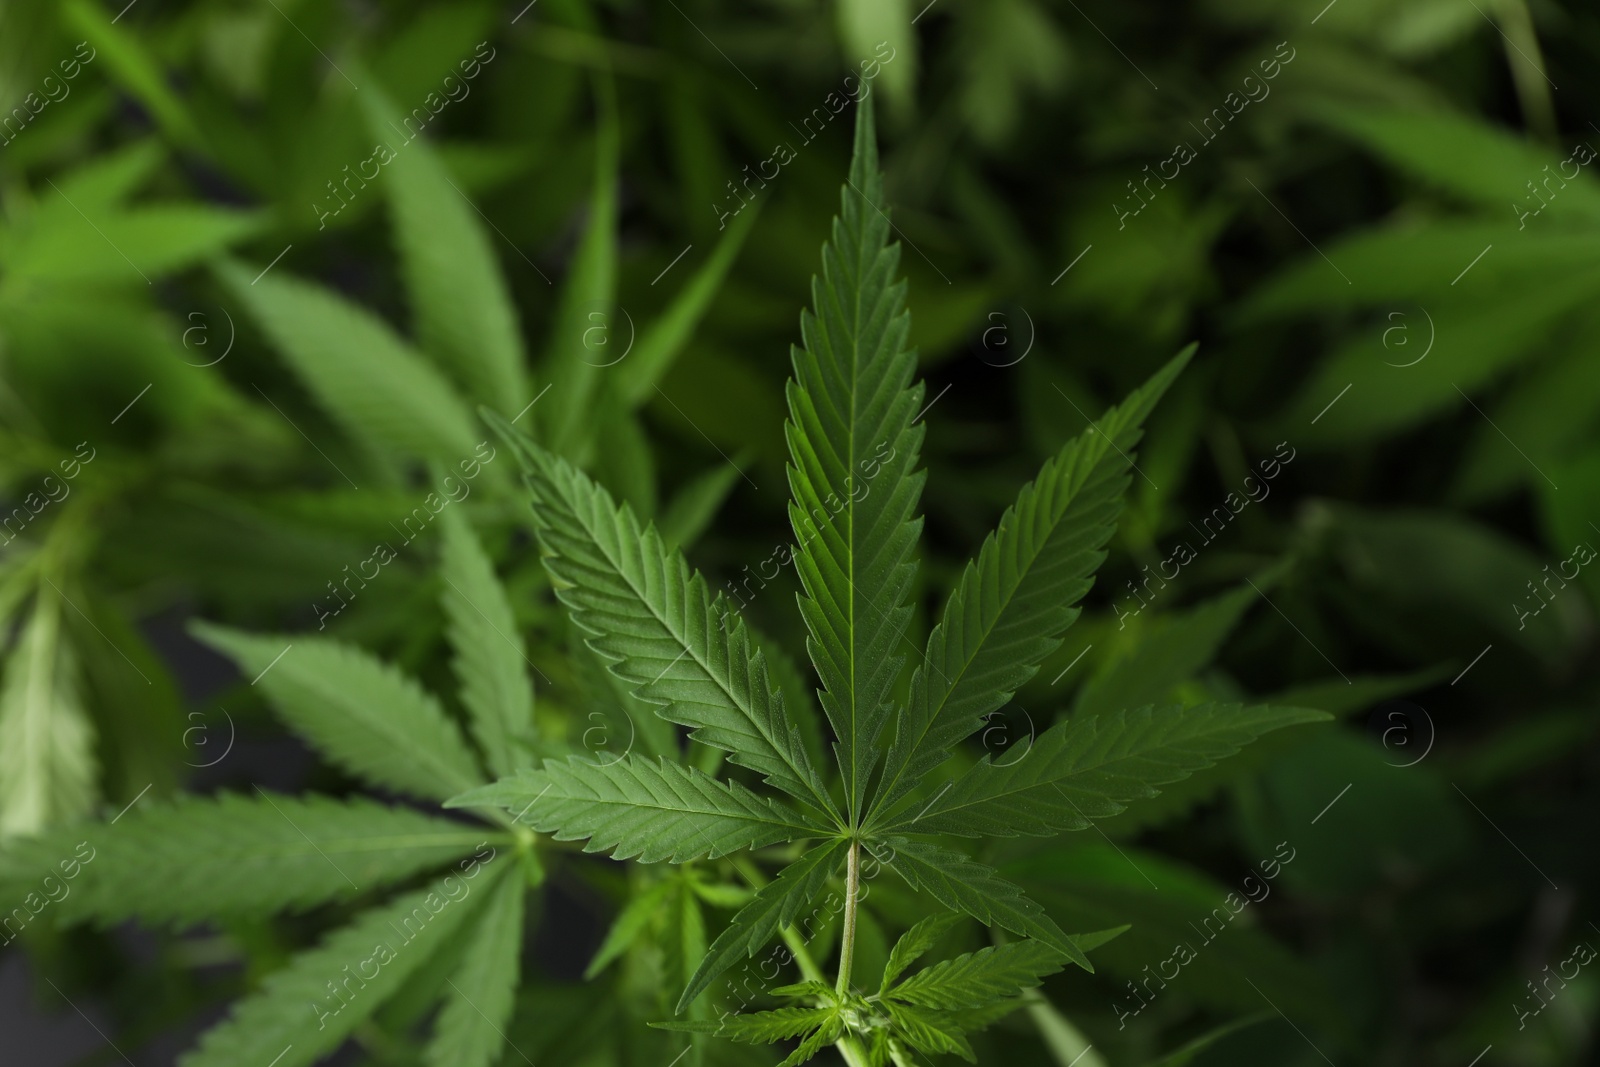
681, 647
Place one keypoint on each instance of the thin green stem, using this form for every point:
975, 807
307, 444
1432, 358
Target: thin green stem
847, 1046
847, 940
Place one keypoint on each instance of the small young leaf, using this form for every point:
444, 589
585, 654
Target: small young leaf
830, 1031
757, 1028
810, 988
928, 1032
629, 924
973, 889
913, 944
979, 978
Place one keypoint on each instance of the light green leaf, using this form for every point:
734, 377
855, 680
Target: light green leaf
489, 660
629, 924
477, 1008
1432, 147
660, 344
1067, 1044
776, 905
584, 340
47, 764
657, 621
639, 809
1091, 766
248, 857
830, 1032
305, 1010
128, 62
465, 318
361, 713
66, 247
973, 889
980, 978
622, 458
1013, 603
853, 452
374, 384
759, 1027
882, 29
110, 178
913, 944
686, 950
689, 512
928, 1032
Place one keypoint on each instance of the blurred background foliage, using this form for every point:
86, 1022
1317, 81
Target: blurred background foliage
227, 367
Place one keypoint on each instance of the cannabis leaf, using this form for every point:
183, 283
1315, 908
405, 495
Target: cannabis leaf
762, 1027
648, 612
489, 660
433, 914
47, 765
248, 857
368, 717
852, 447
853, 441
1013, 603
309, 1007
465, 318
973, 889
382, 391
913, 945
1090, 766
979, 978
639, 809
470, 1031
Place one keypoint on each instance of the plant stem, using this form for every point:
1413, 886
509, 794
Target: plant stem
847, 940
848, 1049
847, 1045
